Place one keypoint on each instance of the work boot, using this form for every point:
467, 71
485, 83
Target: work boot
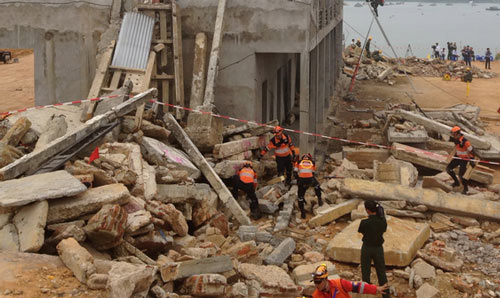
302, 209
255, 211
466, 189
455, 184
320, 201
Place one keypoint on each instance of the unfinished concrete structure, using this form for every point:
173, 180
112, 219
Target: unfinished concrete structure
276, 55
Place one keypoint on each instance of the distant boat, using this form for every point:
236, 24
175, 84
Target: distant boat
433, 4
358, 5
494, 8
449, 4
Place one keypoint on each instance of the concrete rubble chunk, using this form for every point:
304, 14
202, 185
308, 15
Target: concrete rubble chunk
427, 291
434, 182
106, 228
281, 253
180, 193
273, 280
8, 154
149, 129
127, 279
97, 281
9, 240
5, 219
30, 222
234, 147
67, 231
88, 202
426, 271
179, 270
228, 168
149, 178
80, 167
206, 285
413, 136
253, 129
55, 127
158, 153
332, 213
62, 184
239, 290
450, 203
244, 251
205, 209
407, 171
16, 132
137, 220
77, 259
169, 214
205, 130
402, 241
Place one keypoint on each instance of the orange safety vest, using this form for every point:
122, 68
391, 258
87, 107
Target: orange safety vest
283, 149
336, 291
464, 148
247, 175
306, 168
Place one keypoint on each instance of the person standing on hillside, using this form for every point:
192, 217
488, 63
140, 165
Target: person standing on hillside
437, 54
487, 59
367, 47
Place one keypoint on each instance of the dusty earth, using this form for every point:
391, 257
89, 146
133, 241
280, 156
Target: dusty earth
49, 278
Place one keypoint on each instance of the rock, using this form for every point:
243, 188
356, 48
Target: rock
77, 259
67, 231
126, 279
170, 214
97, 281
15, 193
175, 271
55, 127
88, 202
5, 219
239, 290
281, 253
105, 229
273, 280
465, 221
423, 269
206, 285
243, 251
30, 223
16, 132
9, 241
302, 274
8, 154
402, 240
137, 220
313, 256
427, 291
463, 287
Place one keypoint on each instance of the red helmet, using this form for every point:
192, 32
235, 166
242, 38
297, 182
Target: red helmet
455, 129
278, 129
307, 156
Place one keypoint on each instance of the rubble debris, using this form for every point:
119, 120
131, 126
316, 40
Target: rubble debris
234, 147
56, 127
77, 259
206, 285
15, 192
9, 240
16, 132
126, 279
273, 280
30, 223
364, 157
281, 252
179, 270
332, 213
106, 228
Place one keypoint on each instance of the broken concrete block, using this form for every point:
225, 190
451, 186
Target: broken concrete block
97, 281
77, 259
302, 273
55, 127
450, 203
30, 223
153, 243
247, 155
228, 168
427, 291
273, 280
101, 177
231, 148
175, 271
88, 202
364, 157
205, 209
62, 184
220, 222
407, 171
386, 172
67, 231
247, 233
149, 177
433, 182
180, 193
137, 220
332, 213
423, 269
402, 241
5, 219
206, 285
170, 214
127, 279
243, 251
9, 240
16, 132
8, 154
239, 290
464, 221
414, 136
158, 153
105, 229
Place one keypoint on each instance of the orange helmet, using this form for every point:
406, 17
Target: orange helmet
321, 272
278, 129
247, 164
455, 129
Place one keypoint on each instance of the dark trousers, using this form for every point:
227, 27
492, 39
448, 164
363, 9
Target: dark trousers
304, 184
463, 167
487, 63
285, 164
248, 189
467, 61
375, 253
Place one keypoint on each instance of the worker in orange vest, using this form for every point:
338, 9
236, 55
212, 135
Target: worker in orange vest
463, 155
340, 288
284, 152
246, 179
304, 171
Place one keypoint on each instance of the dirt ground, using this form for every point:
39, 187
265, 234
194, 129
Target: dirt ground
17, 86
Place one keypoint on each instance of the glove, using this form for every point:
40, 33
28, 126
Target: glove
473, 164
262, 153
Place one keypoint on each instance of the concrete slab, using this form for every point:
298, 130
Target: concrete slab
332, 213
30, 222
438, 201
364, 157
434, 161
20, 192
231, 148
402, 241
9, 241
175, 271
88, 202
415, 136
370, 135
274, 281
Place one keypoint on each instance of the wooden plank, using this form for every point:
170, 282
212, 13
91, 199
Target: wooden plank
127, 69
158, 6
99, 78
136, 79
165, 94
163, 77
145, 85
163, 36
178, 66
166, 41
115, 80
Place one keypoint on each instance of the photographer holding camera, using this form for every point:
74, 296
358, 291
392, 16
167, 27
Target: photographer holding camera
373, 229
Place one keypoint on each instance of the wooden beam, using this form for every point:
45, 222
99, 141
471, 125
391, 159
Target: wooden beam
178, 65
154, 6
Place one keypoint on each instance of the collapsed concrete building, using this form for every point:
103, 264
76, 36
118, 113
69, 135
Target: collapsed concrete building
277, 57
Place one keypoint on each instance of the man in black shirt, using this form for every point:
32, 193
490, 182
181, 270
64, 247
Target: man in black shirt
373, 229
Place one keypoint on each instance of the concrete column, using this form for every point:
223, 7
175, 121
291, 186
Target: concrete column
338, 47
320, 100
313, 95
198, 83
293, 78
50, 68
304, 99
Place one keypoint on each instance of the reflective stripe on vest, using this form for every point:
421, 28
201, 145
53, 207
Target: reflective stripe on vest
306, 169
282, 151
465, 151
247, 175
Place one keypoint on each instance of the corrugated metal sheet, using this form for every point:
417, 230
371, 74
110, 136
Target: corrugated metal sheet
134, 41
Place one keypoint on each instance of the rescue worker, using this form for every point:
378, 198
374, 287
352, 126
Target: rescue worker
377, 55
284, 152
465, 154
304, 170
358, 43
467, 75
340, 288
367, 47
373, 229
375, 4
246, 179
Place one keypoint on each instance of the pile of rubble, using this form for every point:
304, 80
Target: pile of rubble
387, 69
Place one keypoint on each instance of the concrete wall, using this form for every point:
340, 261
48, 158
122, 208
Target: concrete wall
64, 38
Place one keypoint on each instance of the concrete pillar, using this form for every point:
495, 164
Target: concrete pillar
293, 78
313, 95
304, 99
50, 69
199, 73
320, 100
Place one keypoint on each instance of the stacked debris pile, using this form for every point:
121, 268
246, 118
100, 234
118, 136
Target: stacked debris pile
387, 69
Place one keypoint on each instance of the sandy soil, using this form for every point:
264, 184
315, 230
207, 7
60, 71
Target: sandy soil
17, 86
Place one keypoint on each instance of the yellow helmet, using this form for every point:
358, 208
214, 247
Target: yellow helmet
380, 51
370, 37
321, 272
468, 68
